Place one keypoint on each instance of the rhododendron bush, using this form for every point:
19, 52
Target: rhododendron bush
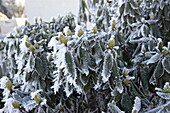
114, 57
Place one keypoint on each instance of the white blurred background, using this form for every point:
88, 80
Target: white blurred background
13, 13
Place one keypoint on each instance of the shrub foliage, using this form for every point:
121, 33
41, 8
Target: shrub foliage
120, 63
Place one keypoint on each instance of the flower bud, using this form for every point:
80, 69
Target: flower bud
37, 46
125, 72
143, 49
152, 17
113, 24
36, 20
79, 31
37, 99
28, 44
111, 42
143, 21
41, 20
67, 31
95, 29
9, 85
167, 90
32, 48
63, 39
125, 81
15, 104
165, 51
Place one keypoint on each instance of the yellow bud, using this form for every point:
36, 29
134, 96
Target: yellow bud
37, 99
95, 29
17, 30
152, 17
125, 72
41, 43
135, 111
9, 85
36, 20
26, 22
143, 21
167, 90
28, 44
113, 25
80, 32
28, 40
37, 46
165, 51
15, 104
111, 43
32, 48
69, 33
143, 49
125, 81
34, 31
41, 20
60, 108
63, 39
16, 36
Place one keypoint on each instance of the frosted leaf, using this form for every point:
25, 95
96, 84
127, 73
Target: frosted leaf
79, 31
144, 30
158, 89
97, 86
29, 105
137, 105
54, 43
84, 55
113, 108
23, 47
68, 89
8, 108
168, 46
70, 65
3, 81
33, 94
66, 30
164, 95
167, 85
139, 40
57, 81
154, 58
29, 65
159, 108
133, 5
120, 2
56, 86
107, 67
119, 87
20, 62
166, 64
130, 77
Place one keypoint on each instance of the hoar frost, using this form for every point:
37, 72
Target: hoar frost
137, 105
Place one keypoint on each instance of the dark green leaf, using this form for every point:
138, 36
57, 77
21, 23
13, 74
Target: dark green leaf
98, 53
84, 79
166, 64
87, 87
84, 56
107, 66
40, 67
144, 75
28, 76
126, 103
70, 64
